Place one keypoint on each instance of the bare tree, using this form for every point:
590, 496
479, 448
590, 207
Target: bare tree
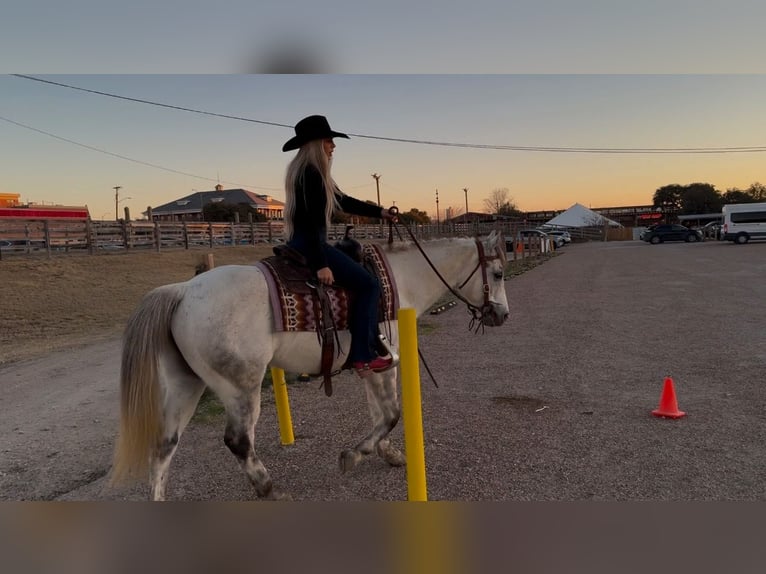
500, 203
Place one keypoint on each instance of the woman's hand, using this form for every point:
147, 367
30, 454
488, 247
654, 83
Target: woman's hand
390, 214
325, 276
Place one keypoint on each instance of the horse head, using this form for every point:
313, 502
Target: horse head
484, 288
498, 299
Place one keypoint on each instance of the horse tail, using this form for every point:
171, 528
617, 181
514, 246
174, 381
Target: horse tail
146, 335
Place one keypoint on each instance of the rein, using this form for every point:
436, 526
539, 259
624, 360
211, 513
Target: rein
477, 313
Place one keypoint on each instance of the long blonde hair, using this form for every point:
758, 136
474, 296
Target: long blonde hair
310, 153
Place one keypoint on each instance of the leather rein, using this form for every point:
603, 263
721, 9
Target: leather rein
477, 313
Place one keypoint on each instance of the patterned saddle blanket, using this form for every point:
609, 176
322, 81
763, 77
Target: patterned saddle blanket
294, 298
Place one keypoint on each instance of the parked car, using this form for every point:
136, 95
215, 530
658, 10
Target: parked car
564, 235
669, 232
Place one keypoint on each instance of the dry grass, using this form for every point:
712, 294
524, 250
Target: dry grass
66, 301
72, 300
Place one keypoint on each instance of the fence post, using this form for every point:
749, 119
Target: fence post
89, 235
210, 232
47, 231
186, 235
234, 232
157, 236
269, 230
125, 233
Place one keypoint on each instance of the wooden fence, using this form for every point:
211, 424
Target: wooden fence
52, 237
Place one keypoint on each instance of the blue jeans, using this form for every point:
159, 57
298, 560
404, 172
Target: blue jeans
364, 296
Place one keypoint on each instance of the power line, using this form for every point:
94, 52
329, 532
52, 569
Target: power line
140, 101
538, 149
138, 161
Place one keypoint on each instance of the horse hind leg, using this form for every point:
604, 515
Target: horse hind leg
384, 411
183, 389
243, 410
239, 389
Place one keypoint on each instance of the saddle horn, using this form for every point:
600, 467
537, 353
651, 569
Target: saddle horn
350, 246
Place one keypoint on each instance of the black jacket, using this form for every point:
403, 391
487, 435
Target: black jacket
309, 227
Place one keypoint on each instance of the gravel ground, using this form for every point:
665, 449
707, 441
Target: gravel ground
554, 405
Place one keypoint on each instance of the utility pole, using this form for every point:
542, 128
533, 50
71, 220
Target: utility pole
377, 184
116, 189
465, 189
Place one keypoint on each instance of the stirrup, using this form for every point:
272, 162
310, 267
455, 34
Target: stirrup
389, 351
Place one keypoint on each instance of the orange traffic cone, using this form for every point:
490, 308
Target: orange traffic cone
668, 407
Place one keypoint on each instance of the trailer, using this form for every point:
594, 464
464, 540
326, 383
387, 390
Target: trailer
35, 211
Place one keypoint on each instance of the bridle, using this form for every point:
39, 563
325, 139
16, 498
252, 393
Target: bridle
477, 313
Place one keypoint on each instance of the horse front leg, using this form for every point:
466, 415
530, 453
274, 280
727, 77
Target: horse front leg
384, 410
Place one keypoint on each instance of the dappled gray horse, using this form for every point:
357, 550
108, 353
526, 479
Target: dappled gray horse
217, 330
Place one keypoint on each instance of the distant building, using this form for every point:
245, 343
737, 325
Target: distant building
38, 211
9, 199
474, 217
628, 216
190, 208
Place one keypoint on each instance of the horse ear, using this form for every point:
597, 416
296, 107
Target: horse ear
496, 243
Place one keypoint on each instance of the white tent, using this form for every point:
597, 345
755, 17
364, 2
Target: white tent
580, 216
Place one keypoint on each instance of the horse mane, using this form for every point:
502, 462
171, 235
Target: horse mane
407, 244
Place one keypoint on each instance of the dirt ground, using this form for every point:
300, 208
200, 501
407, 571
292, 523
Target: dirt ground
553, 406
64, 301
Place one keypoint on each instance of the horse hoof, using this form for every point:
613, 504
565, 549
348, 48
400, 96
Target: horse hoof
278, 495
392, 456
348, 460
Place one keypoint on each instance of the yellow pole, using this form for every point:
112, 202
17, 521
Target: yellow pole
283, 406
411, 407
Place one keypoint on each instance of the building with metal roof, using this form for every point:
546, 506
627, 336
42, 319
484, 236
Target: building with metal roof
190, 207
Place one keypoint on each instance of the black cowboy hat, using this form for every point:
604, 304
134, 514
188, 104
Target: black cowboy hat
309, 129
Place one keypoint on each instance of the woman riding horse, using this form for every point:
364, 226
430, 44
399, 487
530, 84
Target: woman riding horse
311, 198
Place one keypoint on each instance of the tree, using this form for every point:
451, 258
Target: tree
757, 191
734, 195
700, 198
414, 216
691, 198
668, 197
499, 203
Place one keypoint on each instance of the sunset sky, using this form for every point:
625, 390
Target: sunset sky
609, 112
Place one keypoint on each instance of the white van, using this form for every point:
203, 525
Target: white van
743, 222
